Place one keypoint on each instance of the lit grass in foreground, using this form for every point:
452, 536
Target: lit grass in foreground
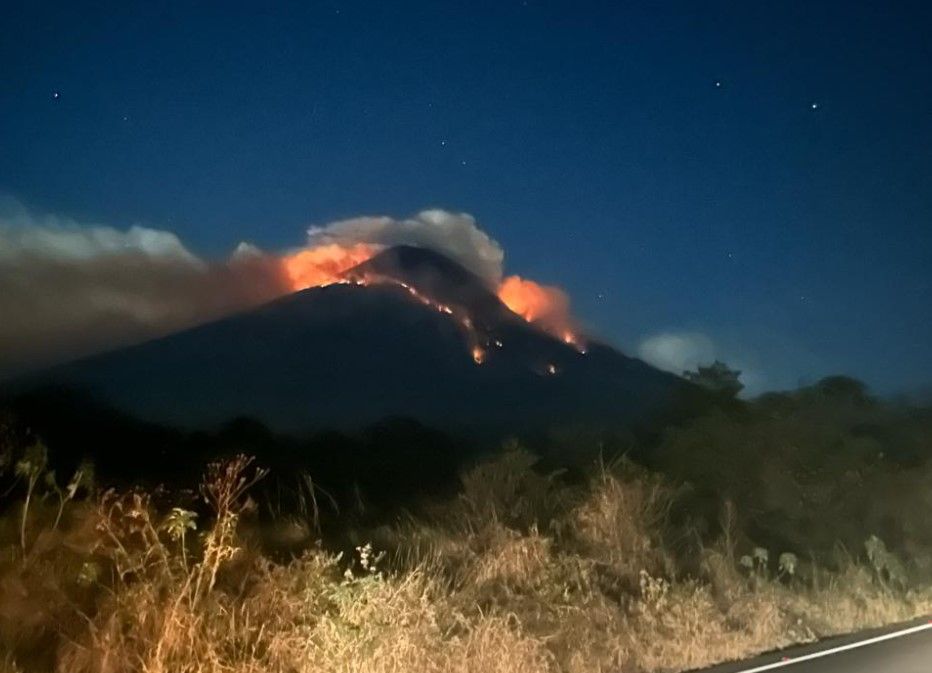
519, 573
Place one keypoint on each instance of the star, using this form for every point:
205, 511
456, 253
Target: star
463, 162
56, 95
815, 106
718, 84
443, 143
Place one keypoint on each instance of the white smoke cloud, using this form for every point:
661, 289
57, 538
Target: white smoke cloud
453, 234
23, 234
68, 289
677, 352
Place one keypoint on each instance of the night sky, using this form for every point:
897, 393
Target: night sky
752, 176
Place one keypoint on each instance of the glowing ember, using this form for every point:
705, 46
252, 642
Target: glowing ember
456, 312
324, 264
573, 340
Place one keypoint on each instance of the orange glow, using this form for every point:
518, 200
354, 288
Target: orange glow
545, 305
477, 352
530, 300
324, 264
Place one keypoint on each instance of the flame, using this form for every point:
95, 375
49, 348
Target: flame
530, 300
545, 305
324, 264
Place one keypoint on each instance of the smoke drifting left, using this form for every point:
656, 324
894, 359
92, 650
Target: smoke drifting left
68, 290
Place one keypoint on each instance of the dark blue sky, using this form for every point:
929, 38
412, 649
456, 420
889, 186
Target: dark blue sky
590, 139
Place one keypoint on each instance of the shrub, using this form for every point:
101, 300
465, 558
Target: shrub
521, 571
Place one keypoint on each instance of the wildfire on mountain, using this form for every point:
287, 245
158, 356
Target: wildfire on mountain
545, 306
324, 264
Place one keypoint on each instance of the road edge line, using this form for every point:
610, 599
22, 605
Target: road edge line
839, 648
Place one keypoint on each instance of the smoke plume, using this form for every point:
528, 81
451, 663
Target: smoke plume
455, 235
70, 289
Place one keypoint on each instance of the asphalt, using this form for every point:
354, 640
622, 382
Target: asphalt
905, 648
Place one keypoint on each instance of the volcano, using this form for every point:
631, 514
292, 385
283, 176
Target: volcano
408, 333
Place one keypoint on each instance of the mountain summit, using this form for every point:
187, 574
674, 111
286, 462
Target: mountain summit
434, 276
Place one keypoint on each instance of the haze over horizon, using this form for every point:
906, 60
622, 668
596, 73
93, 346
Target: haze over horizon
699, 190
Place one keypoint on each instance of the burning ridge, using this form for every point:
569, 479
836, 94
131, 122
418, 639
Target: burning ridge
107, 288
441, 284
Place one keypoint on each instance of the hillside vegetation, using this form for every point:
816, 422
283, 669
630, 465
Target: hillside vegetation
750, 528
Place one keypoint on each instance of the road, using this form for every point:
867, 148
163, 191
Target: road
903, 649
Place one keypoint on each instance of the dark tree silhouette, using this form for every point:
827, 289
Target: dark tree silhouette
717, 377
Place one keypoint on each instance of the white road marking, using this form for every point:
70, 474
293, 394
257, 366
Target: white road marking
836, 650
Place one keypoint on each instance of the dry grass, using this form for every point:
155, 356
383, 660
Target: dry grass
521, 573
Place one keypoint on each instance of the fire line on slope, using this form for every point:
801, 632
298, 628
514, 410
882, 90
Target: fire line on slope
544, 306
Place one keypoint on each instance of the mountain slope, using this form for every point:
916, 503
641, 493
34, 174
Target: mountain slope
350, 354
